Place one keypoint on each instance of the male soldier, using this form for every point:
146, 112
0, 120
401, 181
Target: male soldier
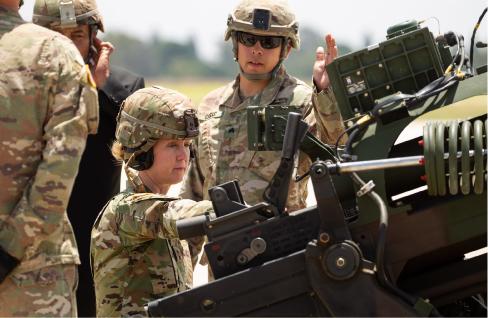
263, 32
99, 177
48, 105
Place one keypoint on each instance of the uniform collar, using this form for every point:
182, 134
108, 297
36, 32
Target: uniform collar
9, 17
231, 99
134, 182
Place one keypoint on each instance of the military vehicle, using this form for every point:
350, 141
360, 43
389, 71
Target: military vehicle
399, 206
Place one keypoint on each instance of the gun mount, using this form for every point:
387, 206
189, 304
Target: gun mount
424, 154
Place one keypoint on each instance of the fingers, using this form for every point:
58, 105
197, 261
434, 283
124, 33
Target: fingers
332, 51
103, 47
320, 54
107, 47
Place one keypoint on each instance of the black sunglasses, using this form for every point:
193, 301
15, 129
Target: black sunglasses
267, 42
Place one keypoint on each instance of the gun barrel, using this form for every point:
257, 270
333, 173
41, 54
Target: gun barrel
191, 227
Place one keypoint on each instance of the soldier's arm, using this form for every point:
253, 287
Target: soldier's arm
192, 188
153, 219
72, 114
328, 119
329, 124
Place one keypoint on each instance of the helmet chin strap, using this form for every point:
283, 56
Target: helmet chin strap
261, 76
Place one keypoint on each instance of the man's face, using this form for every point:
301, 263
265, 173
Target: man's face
80, 35
253, 58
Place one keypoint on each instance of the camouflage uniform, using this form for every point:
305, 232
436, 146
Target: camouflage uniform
222, 153
48, 105
222, 145
136, 254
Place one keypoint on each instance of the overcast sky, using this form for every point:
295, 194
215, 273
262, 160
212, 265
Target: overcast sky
348, 21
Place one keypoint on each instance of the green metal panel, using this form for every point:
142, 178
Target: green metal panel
404, 63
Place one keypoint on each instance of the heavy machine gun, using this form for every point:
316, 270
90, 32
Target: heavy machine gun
392, 246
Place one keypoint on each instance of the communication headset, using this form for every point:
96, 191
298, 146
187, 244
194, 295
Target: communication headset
143, 161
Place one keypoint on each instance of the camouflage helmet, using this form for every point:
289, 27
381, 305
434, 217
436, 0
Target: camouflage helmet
264, 17
67, 13
152, 113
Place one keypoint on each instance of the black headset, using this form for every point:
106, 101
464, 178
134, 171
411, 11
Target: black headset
143, 161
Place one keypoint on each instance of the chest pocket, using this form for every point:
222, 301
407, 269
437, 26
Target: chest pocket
234, 153
265, 163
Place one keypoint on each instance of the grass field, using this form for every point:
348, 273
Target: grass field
195, 89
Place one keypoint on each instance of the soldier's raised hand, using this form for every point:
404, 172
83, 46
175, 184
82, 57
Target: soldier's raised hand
101, 71
323, 58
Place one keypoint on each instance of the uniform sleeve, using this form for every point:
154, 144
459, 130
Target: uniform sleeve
151, 219
328, 119
72, 114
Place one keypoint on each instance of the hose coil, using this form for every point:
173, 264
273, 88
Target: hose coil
464, 165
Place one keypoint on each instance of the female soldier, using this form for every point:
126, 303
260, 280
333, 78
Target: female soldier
136, 254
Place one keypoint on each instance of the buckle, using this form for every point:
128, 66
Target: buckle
67, 13
261, 19
191, 123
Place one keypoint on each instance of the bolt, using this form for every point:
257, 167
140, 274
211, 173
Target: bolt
324, 238
208, 305
241, 259
340, 262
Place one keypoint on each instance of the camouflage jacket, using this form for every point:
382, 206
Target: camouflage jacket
222, 153
48, 105
136, 255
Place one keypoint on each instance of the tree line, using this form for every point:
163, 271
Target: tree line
157, 57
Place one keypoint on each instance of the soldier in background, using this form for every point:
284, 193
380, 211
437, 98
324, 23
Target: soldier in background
263, 32
136, 254
99, 177
48, 105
